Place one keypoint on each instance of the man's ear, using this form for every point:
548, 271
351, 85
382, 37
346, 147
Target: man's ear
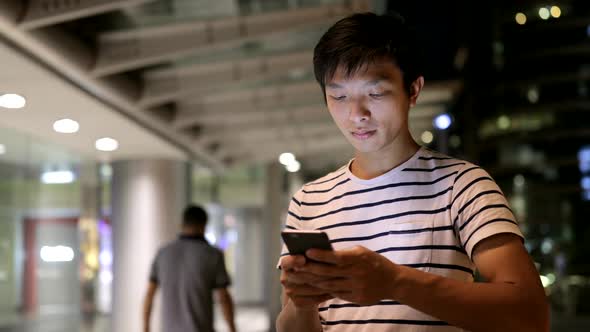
415, 90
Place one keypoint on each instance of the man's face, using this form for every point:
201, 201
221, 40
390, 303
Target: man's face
370, 107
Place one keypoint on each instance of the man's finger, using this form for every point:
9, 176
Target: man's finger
310, 300
303, 277
336, 285
324, 256
302, 290
344, 257
325, 270
292, 262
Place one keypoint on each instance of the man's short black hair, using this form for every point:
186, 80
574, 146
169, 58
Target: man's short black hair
365, 38
194, 215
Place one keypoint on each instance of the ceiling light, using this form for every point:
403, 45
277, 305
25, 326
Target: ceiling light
442, 121
57, 177
544, 13
2, 149
66, 126
57, 254
520, 18
555, 11
294, 166
106, 144
427, 137
12, 100
286, 158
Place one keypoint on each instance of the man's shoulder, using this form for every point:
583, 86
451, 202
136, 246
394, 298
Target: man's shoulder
431, 159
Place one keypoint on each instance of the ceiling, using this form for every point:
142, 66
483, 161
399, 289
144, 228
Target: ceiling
50, 98
229, 82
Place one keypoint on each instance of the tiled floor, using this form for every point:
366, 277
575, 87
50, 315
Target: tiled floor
248, 319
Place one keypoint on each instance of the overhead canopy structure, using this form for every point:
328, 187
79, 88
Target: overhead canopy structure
228, 81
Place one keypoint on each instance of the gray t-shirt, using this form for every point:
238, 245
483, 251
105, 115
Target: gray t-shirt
187, 271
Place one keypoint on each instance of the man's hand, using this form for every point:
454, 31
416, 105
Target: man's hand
297, 284
357, 275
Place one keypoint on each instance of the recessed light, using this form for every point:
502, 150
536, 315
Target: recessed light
58, 177
293, 166
12, 100
286, 158
106, 144
66, 126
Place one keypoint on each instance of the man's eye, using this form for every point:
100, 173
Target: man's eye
338, 97
376, 95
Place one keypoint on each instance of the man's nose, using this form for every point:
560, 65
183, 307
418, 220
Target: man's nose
358, 112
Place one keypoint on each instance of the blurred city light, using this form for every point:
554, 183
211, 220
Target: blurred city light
544, 13
555, 11
443, 121
546, 280
427, 137
519, 181
455, 141
584, 159
520, 18
503, 122
533, 95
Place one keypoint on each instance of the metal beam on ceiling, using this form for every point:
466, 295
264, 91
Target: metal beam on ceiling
238, 118
257, 134
162, 86
69, 58
42, 13
248, 100
135, 48
270, 152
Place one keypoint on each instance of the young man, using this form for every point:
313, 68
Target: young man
409, 226
189, 270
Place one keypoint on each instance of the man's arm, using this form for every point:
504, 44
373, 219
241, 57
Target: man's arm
300, 301
293, 318
512, 299
227, 306
147, 305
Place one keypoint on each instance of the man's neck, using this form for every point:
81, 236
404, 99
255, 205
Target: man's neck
370, 165
191, 232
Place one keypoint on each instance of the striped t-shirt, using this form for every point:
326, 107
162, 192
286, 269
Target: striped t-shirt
427, 213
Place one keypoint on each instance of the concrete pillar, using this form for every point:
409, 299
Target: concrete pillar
275, 207
148, 197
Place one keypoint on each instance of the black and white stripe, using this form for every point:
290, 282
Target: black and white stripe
427, 214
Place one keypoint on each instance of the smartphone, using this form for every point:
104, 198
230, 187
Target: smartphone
298, 242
